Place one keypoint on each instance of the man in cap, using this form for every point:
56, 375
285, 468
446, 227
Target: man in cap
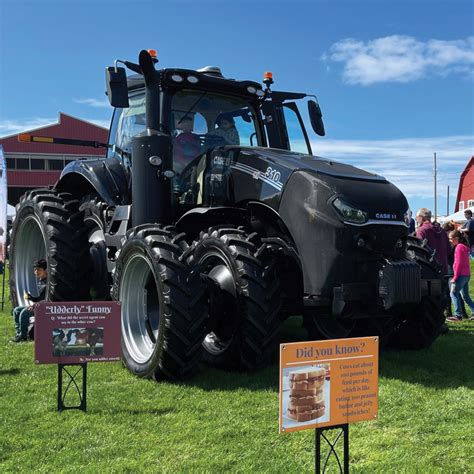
22, 314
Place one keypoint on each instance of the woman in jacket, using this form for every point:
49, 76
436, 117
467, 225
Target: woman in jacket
462, 275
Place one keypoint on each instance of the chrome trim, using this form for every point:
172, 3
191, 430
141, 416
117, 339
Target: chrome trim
377, 222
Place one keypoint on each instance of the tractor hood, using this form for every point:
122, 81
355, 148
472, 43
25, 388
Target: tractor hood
297, 161
325, 180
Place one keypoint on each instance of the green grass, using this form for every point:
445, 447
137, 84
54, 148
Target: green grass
229, 422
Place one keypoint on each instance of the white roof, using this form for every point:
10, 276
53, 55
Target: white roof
457, 217
11, 211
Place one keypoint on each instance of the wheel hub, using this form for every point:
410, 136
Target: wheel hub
140, 309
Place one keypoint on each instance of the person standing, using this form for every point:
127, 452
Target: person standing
438, 241
468, 228
462, 274
22, 314
410, 222
435, 236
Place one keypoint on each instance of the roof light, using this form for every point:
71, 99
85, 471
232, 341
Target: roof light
268, 79
177, 78
153, 53
193, 79
251, 89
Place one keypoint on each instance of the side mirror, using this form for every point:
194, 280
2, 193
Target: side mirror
316, 118
117, 90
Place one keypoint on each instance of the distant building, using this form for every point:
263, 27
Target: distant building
36, 165
465, 196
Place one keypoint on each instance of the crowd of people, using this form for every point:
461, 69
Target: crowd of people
453, 248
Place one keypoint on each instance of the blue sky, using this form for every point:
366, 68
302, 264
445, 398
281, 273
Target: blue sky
394, 78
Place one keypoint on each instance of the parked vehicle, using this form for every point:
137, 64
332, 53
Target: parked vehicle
208, 252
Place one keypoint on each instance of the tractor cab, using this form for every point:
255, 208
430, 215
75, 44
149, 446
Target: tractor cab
200, 110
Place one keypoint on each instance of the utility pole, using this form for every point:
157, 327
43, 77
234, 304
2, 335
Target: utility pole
435, 190
447, 202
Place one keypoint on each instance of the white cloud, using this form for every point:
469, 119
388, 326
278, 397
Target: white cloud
10, 127
101, 103
400, 58
408, 162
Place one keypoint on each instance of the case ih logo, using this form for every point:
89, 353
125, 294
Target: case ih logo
381, 215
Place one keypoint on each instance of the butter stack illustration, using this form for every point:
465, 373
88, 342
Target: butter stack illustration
306, 394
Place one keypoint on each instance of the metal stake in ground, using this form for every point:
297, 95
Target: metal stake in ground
82, 393
319, 432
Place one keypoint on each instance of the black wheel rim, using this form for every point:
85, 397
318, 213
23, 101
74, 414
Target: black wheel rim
222, 302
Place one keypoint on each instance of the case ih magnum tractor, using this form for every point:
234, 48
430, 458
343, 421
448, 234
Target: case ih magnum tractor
211, 221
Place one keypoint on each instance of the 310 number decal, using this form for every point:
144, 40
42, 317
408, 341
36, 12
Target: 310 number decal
272, 174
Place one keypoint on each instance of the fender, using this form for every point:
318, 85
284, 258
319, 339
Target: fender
256, 214
106, 177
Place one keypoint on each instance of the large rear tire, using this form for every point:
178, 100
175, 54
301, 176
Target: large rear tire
422, 325
162, 311
45, 228
243, 299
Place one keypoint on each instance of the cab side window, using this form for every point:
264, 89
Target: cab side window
295, 132
126, 124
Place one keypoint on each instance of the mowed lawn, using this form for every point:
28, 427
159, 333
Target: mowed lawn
222, 421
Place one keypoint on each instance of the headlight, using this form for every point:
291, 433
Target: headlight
349, 213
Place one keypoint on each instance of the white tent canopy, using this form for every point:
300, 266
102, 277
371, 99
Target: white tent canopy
11, 211
457, 217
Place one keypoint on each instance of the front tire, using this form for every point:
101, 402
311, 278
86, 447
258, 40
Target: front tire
162, 311
243, 299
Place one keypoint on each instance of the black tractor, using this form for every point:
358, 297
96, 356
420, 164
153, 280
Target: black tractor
211, 220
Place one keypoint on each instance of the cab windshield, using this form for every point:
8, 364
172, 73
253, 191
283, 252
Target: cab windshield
201, 120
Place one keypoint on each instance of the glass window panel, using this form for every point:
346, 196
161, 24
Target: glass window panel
37, 164
55, 165
22, 164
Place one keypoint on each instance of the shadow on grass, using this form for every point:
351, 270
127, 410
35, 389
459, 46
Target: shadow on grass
446, 364
215, 379
139, 411
12, 371
265, 379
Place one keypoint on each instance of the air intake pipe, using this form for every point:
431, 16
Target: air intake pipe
151, 157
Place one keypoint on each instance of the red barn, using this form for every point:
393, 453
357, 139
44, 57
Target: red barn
465, 196
35, 165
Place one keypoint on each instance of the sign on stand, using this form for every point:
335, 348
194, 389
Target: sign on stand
326, 385
73, 334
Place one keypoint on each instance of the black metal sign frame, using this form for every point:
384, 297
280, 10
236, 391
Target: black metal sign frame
319, 433
82, 392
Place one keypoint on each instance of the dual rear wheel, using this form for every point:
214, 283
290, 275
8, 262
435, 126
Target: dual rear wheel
214, 300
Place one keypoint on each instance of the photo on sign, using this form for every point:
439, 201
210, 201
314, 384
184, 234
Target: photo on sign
306, 395
78, 341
